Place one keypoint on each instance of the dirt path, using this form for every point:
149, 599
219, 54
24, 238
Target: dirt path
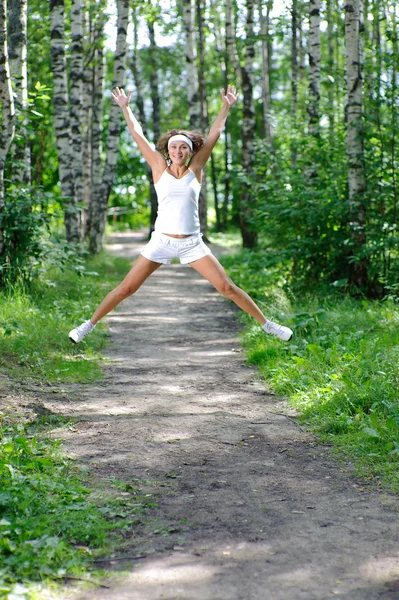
249, 507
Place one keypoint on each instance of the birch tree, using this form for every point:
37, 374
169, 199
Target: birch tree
193, 92
248, 200
314, 66
6, 105
17, 52
266, 106
62, 120
96, 102
138, 82
76, 96
294, 75
156, 115
232, 59
330, 65
99, 203
354, 138
193, 96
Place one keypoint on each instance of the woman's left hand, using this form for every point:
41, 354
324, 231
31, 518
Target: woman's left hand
230, 96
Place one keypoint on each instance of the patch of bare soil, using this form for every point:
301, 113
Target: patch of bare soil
250, 507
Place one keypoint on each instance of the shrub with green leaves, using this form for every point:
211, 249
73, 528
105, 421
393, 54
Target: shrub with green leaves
29, 248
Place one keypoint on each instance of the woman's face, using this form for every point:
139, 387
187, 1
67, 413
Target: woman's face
179, 152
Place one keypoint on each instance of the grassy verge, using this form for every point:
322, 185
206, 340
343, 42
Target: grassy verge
52, 525
34, 323
341, 371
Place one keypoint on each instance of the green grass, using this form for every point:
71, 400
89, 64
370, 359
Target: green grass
341, 370
52, 525
34, 323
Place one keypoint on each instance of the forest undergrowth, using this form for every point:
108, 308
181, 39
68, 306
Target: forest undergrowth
340, 371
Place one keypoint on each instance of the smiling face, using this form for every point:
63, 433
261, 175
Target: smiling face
179, 152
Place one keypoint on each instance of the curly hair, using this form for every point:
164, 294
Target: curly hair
195, 136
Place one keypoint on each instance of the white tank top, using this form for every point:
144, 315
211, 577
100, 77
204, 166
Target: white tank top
178, 204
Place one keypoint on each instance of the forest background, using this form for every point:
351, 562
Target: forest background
304, 177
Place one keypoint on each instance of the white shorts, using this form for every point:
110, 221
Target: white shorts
162, 249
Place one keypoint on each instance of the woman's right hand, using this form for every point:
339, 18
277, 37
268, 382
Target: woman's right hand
120, 97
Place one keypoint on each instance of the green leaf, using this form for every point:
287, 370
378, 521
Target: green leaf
371, 432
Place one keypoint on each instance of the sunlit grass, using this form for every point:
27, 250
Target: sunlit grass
341, 370
35, 321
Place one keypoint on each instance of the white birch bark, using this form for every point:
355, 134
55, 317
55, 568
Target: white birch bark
266, 105
194, 105
17, 52
156, 116
138, 82
294, 74
193, 92
6, 106
354, 134
97, 222
76, 107
62, 119
203, 203
330, 66
88, 46
248, 200
314, 50
231, 47
97, 86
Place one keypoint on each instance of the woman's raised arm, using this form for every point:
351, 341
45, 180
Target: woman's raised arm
200, 159
154, 158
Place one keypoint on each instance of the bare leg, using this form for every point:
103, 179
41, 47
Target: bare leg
140, 271
210, 268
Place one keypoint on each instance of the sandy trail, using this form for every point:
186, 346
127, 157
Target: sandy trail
258, 510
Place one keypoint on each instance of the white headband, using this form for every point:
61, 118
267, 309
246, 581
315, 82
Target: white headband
181, 138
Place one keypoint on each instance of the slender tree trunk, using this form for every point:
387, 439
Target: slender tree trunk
330, 66
204, 113
6, 107
233, 72
193, 93
267, 128
394, 121
248, 200
294, 76
62, 120
96, 149
194, 104
97, 224
231, 47
314, 66
215, 28
354, 136
87, 184
156, 114
138, 82
17, 52
76, 96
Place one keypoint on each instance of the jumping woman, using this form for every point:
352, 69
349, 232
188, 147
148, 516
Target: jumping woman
177, 171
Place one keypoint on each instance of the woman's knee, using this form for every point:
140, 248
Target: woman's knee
228, 288
124, 290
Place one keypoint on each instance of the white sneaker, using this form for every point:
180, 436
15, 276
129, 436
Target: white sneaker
281, 332
77, 335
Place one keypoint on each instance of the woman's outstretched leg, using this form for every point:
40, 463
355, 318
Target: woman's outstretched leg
140, 271
210, 268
